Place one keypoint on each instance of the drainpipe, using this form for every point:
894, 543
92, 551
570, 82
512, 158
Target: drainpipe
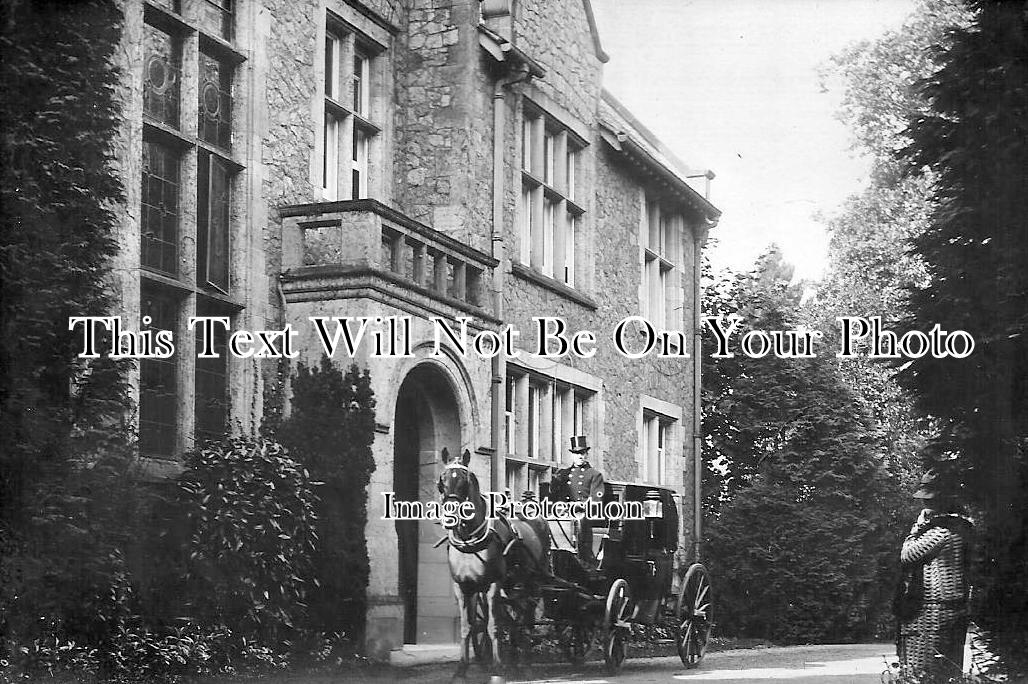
697, 411
499, 362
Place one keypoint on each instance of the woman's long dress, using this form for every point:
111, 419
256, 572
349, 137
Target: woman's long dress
931, 644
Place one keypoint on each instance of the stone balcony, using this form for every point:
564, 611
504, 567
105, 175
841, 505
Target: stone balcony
338, 250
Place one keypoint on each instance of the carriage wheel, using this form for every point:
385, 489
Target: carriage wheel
694, 616
480, 641
615, 619
575, 640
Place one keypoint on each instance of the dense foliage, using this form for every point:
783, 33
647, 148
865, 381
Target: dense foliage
57, 194
330, 429
938, 237
800, 510
974, 142
250, 511
66, 501
871, 265
103, 573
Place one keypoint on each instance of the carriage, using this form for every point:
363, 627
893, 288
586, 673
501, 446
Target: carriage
596, 600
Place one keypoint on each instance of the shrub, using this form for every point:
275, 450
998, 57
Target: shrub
250, 513
330, 430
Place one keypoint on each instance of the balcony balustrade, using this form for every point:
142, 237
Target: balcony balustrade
365, 244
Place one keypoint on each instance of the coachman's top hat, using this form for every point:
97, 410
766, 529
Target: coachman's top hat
579, 444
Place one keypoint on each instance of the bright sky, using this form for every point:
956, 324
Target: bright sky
732, 85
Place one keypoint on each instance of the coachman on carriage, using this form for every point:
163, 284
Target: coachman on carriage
513, 574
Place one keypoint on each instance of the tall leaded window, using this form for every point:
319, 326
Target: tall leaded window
159, 215
349, 130
549, 217
161, 76
158, 395
183, 398
215, 101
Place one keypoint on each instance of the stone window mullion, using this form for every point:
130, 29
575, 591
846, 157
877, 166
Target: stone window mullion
185, 352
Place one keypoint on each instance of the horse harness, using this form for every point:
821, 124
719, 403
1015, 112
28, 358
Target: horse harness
481, 535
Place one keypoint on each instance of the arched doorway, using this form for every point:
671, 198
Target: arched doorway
426, 420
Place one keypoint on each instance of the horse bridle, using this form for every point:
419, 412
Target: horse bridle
480, 535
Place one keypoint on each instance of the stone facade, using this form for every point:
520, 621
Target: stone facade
362, 181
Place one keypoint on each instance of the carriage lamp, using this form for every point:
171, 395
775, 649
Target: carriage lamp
653, 510
652, 506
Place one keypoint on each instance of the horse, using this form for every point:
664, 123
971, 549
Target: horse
486, 555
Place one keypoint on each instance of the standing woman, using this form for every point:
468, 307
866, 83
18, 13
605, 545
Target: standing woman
931, 643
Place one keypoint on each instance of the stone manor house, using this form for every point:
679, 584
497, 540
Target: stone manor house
284, 159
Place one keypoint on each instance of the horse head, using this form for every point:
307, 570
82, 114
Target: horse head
457, 483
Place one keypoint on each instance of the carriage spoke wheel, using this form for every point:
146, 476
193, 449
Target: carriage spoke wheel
615, 620
480, 642
694, 616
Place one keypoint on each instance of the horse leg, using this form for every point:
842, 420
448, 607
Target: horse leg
493, 628
464, 606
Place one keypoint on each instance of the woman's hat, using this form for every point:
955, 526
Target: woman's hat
579, 444
932, 486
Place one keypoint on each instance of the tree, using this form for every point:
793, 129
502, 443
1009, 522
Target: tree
802, 506
330, 429
871, 263
974, 142
66, 501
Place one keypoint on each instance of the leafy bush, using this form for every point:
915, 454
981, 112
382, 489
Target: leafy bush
250, 511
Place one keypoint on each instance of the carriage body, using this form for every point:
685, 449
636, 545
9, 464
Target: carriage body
633, 583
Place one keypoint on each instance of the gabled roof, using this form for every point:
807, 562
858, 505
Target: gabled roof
628, 136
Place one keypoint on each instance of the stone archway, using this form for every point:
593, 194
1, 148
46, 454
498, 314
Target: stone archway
427, 419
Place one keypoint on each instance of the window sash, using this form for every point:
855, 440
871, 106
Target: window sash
215, 101
655, 444
567, 244
159, 211
361, 83
527, 219
549, 145
580, 415
158, 380
549, 218
211, 386
534, 420
332, 50
162, 73
330, 158
526, 145
570, 162
359, 170
213, 221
